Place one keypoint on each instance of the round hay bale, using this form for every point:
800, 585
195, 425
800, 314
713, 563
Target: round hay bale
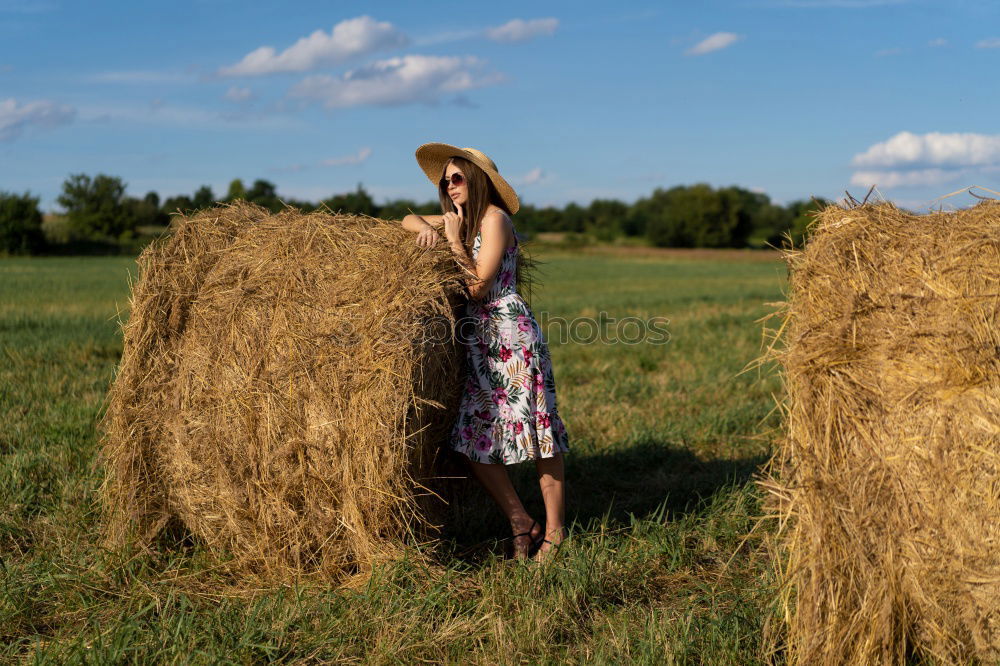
286, 382
887, 482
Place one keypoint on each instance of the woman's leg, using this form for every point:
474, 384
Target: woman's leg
495, 479
551, 479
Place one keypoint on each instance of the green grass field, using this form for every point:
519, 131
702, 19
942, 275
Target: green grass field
665, 441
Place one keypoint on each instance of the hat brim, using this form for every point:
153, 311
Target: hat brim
432, 158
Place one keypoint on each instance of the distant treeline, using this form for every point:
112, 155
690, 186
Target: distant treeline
100, 213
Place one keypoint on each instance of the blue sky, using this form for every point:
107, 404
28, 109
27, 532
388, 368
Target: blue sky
573, 100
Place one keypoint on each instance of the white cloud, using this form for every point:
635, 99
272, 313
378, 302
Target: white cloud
934, 148
348, 39
921, 160
159, 113
519, 30
940, 41
139, 76
238, 94
991, 43
403, 80
716, 42
533, 177
357, 158
446, 37
14, 117
916, 178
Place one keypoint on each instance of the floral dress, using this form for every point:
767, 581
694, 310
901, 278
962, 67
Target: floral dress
508, 410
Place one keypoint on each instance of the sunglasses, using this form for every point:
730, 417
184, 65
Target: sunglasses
456, 179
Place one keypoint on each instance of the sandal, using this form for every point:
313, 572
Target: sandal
553, 548
530, 551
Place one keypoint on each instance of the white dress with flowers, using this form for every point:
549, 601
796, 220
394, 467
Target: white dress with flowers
508, 412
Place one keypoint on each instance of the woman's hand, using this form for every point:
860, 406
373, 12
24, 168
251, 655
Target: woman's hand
428, 237
453, 224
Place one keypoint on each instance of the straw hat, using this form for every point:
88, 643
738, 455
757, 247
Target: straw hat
433, 156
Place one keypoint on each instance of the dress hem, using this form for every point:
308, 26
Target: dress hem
506, 443
511, 462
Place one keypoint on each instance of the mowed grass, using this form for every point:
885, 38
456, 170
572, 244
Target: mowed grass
664, 565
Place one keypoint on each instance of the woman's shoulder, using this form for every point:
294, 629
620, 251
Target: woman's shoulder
497, 213
494, 209
498, 219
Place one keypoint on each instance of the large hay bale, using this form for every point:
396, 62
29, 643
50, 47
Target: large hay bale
285, 385
888, 479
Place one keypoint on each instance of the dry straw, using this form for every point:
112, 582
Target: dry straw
285, 386
887, 483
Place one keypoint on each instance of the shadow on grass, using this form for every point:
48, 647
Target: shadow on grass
642, 478
611, 487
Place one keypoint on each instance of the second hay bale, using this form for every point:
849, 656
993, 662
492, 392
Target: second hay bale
888, 480
285, 382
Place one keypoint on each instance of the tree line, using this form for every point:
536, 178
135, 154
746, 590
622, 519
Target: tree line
98, 209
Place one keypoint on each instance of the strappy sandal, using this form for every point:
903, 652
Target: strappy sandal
553, 548
529, 553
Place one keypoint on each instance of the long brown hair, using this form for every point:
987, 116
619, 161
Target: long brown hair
481, 195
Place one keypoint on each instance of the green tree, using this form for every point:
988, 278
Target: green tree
181, 202
147, 211
264, 193
203, 197
634, 223
700, 216
97, 207
530, 220
301, 204
526, 220
573, 218
236, 190
20, 224
740, 209
605, 218
550, 218
400, 208
802, 213
358, 202
659, 223
772, 222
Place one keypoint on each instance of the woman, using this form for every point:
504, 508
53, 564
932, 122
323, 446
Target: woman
508, 410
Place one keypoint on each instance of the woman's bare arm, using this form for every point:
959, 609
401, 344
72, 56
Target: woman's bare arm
426, 227
414, 222
491, 250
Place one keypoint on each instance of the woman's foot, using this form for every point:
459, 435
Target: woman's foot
550, 544
527, 535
